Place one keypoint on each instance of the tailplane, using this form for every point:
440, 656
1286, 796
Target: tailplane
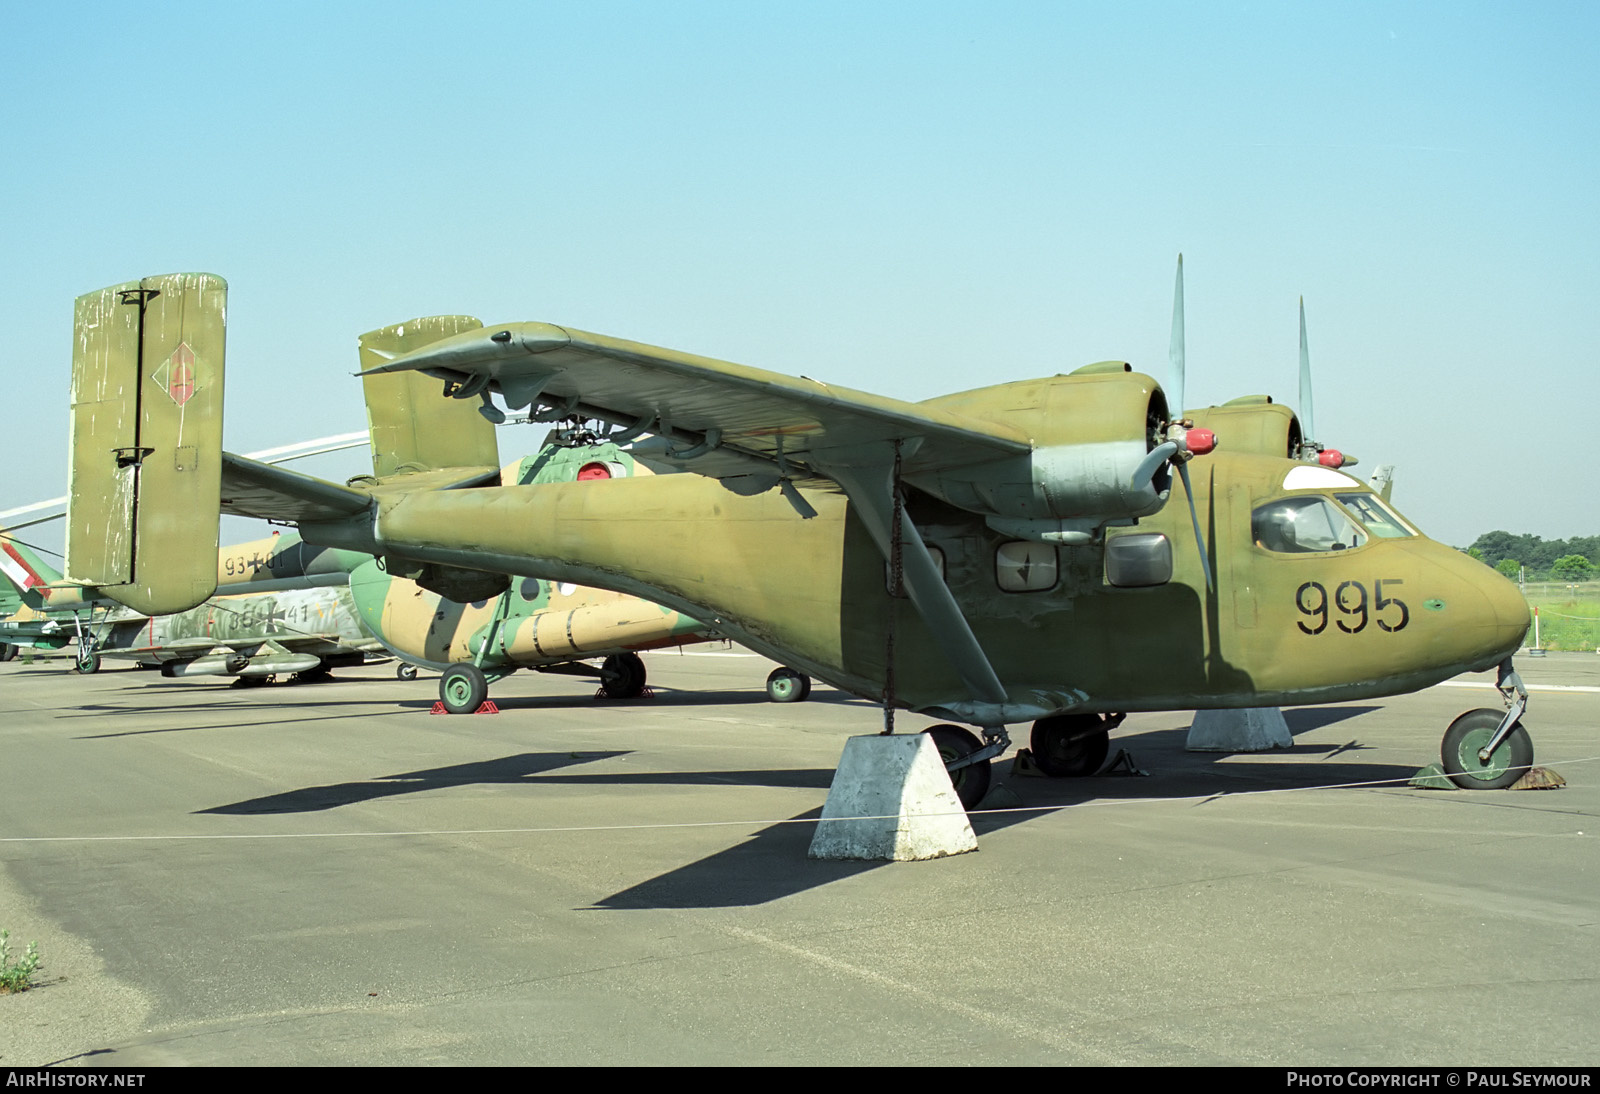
147, 368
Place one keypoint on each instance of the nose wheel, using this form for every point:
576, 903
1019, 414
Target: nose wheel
1468, 761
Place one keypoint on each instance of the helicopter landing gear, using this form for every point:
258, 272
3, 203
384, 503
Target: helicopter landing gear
405, 671
463, 688
622, 676
785, 685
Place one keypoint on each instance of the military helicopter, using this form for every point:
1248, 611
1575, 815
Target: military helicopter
1002, 555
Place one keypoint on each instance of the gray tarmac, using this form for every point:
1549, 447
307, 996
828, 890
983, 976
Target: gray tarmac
328, 874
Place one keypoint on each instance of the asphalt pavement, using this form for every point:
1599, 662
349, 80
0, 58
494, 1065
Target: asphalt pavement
329, 874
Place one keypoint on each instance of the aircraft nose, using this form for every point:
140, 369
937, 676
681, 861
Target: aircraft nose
1494, 618
1510, 610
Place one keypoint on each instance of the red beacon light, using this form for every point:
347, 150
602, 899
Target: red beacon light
1332, 457
593, 471
1199, 441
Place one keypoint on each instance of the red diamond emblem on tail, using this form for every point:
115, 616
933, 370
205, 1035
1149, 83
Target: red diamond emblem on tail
176, 376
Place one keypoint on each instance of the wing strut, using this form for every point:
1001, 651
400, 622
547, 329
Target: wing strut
871, 488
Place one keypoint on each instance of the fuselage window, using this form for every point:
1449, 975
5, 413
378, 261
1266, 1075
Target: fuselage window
1025, 566
1304, 525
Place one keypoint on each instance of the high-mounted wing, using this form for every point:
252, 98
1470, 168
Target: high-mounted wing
1054, 460
700, 403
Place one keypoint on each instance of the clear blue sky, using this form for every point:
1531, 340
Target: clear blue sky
907, 198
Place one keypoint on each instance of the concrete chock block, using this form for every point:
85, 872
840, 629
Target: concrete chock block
1254, 729
891, 799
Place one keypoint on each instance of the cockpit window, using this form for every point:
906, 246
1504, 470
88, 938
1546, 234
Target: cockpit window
1380, 520
1303, 525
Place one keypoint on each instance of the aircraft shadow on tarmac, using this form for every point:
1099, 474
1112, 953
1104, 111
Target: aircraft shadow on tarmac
507, 769
772, 864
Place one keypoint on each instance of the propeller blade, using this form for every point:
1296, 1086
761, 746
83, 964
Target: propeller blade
1175, 351
1307, 427
1199, 536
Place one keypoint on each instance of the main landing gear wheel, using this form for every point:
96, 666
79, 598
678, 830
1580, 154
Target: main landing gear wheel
7, 651
405, 671
463, 688
1469, 733
1070, 745
622, 676
87, 664
954, 743
785, 685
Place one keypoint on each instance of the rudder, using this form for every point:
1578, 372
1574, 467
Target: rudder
413, 427
146, 425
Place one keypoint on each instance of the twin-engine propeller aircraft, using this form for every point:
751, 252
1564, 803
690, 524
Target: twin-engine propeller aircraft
995, 556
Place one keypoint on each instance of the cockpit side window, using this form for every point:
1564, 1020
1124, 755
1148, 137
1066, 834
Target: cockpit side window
1304, 525
1380, 520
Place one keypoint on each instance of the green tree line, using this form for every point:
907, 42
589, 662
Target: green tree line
1563, 559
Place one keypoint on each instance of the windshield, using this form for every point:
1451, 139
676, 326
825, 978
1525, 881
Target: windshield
1303, 525
1380, 520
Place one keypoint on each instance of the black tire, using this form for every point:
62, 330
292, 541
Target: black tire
7, 651
258, 681
1070, 745
1470, 732
785, 685
87, 664
971, 783
405, 671
463, 688
622, 676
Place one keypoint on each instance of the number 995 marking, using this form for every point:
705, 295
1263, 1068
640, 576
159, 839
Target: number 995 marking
1350, 608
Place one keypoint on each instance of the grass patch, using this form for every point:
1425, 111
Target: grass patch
16, 975
1569, 615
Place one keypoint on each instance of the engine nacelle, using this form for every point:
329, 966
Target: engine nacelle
1092, 432
1254, 424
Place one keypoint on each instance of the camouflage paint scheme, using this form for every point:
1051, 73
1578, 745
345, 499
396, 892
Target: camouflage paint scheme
782, 540
303, 625
532, 624
292, 630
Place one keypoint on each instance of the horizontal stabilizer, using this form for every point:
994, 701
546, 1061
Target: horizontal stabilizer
250, 488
